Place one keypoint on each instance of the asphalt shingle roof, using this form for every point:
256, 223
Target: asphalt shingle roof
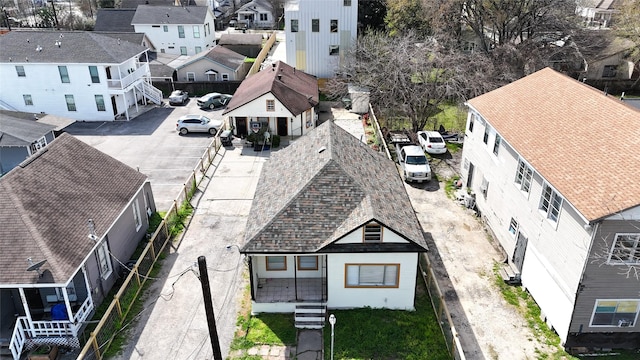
584, 143
240, 39
114, 20
149, 15
75, 48
295, 89
46, 202
21, 132
221, 55
320, 188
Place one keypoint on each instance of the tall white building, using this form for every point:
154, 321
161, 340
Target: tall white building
319, 32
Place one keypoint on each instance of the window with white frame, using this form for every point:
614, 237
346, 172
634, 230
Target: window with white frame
513, 227
276, 263
347, 3
136, 214
334, 50
496, 145
104, 260
372, 275
625, 250
100, 103
271, 105
183, 50
550, 203
181, 31
20, 71
524, 176
614, 312
71, 102
225, 77
93, 72
196, 31
191, 76
28, 101
372, 232
38, 144
307, 263
198, 49
64, 74
165, 28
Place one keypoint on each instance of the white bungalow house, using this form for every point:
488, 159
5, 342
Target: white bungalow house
257, 14
318, 34
176, 30
79, 75
331, 225
278, 97
554, 165
71, 215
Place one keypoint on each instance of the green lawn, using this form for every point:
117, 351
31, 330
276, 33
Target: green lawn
388, 334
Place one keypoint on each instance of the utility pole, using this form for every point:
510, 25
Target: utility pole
55, 16
208, 307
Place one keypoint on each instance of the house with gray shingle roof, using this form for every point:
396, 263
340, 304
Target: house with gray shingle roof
278, 97
176, 30
116, 20
216, 64
71, 216
246, 44
81, 75
331, 225
20, 139
554, 164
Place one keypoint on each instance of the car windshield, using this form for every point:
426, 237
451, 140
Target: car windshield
416, 160
435, 139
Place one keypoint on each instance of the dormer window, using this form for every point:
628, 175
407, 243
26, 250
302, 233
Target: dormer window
372, 233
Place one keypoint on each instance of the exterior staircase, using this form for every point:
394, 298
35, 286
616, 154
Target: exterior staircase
310, 315
150, 92
509, 275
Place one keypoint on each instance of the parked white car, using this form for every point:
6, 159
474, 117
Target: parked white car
432, 142
197, 123
178, 97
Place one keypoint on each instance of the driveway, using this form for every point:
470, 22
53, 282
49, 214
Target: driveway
151, 144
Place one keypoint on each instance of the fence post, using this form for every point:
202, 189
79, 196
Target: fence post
96, 347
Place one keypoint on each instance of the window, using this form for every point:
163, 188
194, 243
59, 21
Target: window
372, 275
165, 28
136, 214
469, 47
550, 203
191, 76
621, 313
181, 31
347, 3
485, 138
523, 176
71, 102
315, 25
294, 25
334, 50
104, 261
28, 101
183, 50
307, 263
472, 119
625, 250
264, 17
513, 227
93, 71
64, 75
276, 263
196, 31
225, 77
609, 71
372, 232
271, 105
496, 145
100, 103
207, 29
334, 26
38, 144
198, 49
20, 71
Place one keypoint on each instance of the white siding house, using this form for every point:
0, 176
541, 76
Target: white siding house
549, 172
321, 234
176, 30
78, 75
318, 34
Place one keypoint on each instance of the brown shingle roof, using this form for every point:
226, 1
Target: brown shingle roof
585, 144
295, 89
45, 205
308, 198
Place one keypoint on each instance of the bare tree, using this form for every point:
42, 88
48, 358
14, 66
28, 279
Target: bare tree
621, 250
627, 25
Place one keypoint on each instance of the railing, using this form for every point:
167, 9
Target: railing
18, 338
150, 92
50, 328
122, 83
109, 325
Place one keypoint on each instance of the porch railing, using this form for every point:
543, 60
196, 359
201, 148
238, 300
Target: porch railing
122, 83
18, 338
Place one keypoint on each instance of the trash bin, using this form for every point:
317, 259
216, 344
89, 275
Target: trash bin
226, 138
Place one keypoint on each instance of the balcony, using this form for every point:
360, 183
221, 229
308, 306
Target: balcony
129, 79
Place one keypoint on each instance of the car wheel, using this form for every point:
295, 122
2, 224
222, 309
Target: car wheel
184, 101
213, 131
183, 131
211, 106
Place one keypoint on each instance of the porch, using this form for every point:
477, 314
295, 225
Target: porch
284, 290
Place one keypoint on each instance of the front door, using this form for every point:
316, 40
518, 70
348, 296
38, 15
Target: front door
519, 251
241, 127
470, 175
114, 105
283, 126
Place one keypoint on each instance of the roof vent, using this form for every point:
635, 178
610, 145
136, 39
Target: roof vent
58, 43
38, 48
28, 40
321, 150
280, 77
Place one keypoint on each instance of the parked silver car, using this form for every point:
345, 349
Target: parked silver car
197, 123
178, 97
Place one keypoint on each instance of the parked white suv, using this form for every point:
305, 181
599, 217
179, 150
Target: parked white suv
197, 123
415, 166
432, 142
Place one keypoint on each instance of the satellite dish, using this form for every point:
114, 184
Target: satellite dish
35, 266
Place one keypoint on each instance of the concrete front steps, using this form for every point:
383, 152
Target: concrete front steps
310, 315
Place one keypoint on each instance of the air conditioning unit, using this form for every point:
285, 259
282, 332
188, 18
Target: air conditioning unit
624, 323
